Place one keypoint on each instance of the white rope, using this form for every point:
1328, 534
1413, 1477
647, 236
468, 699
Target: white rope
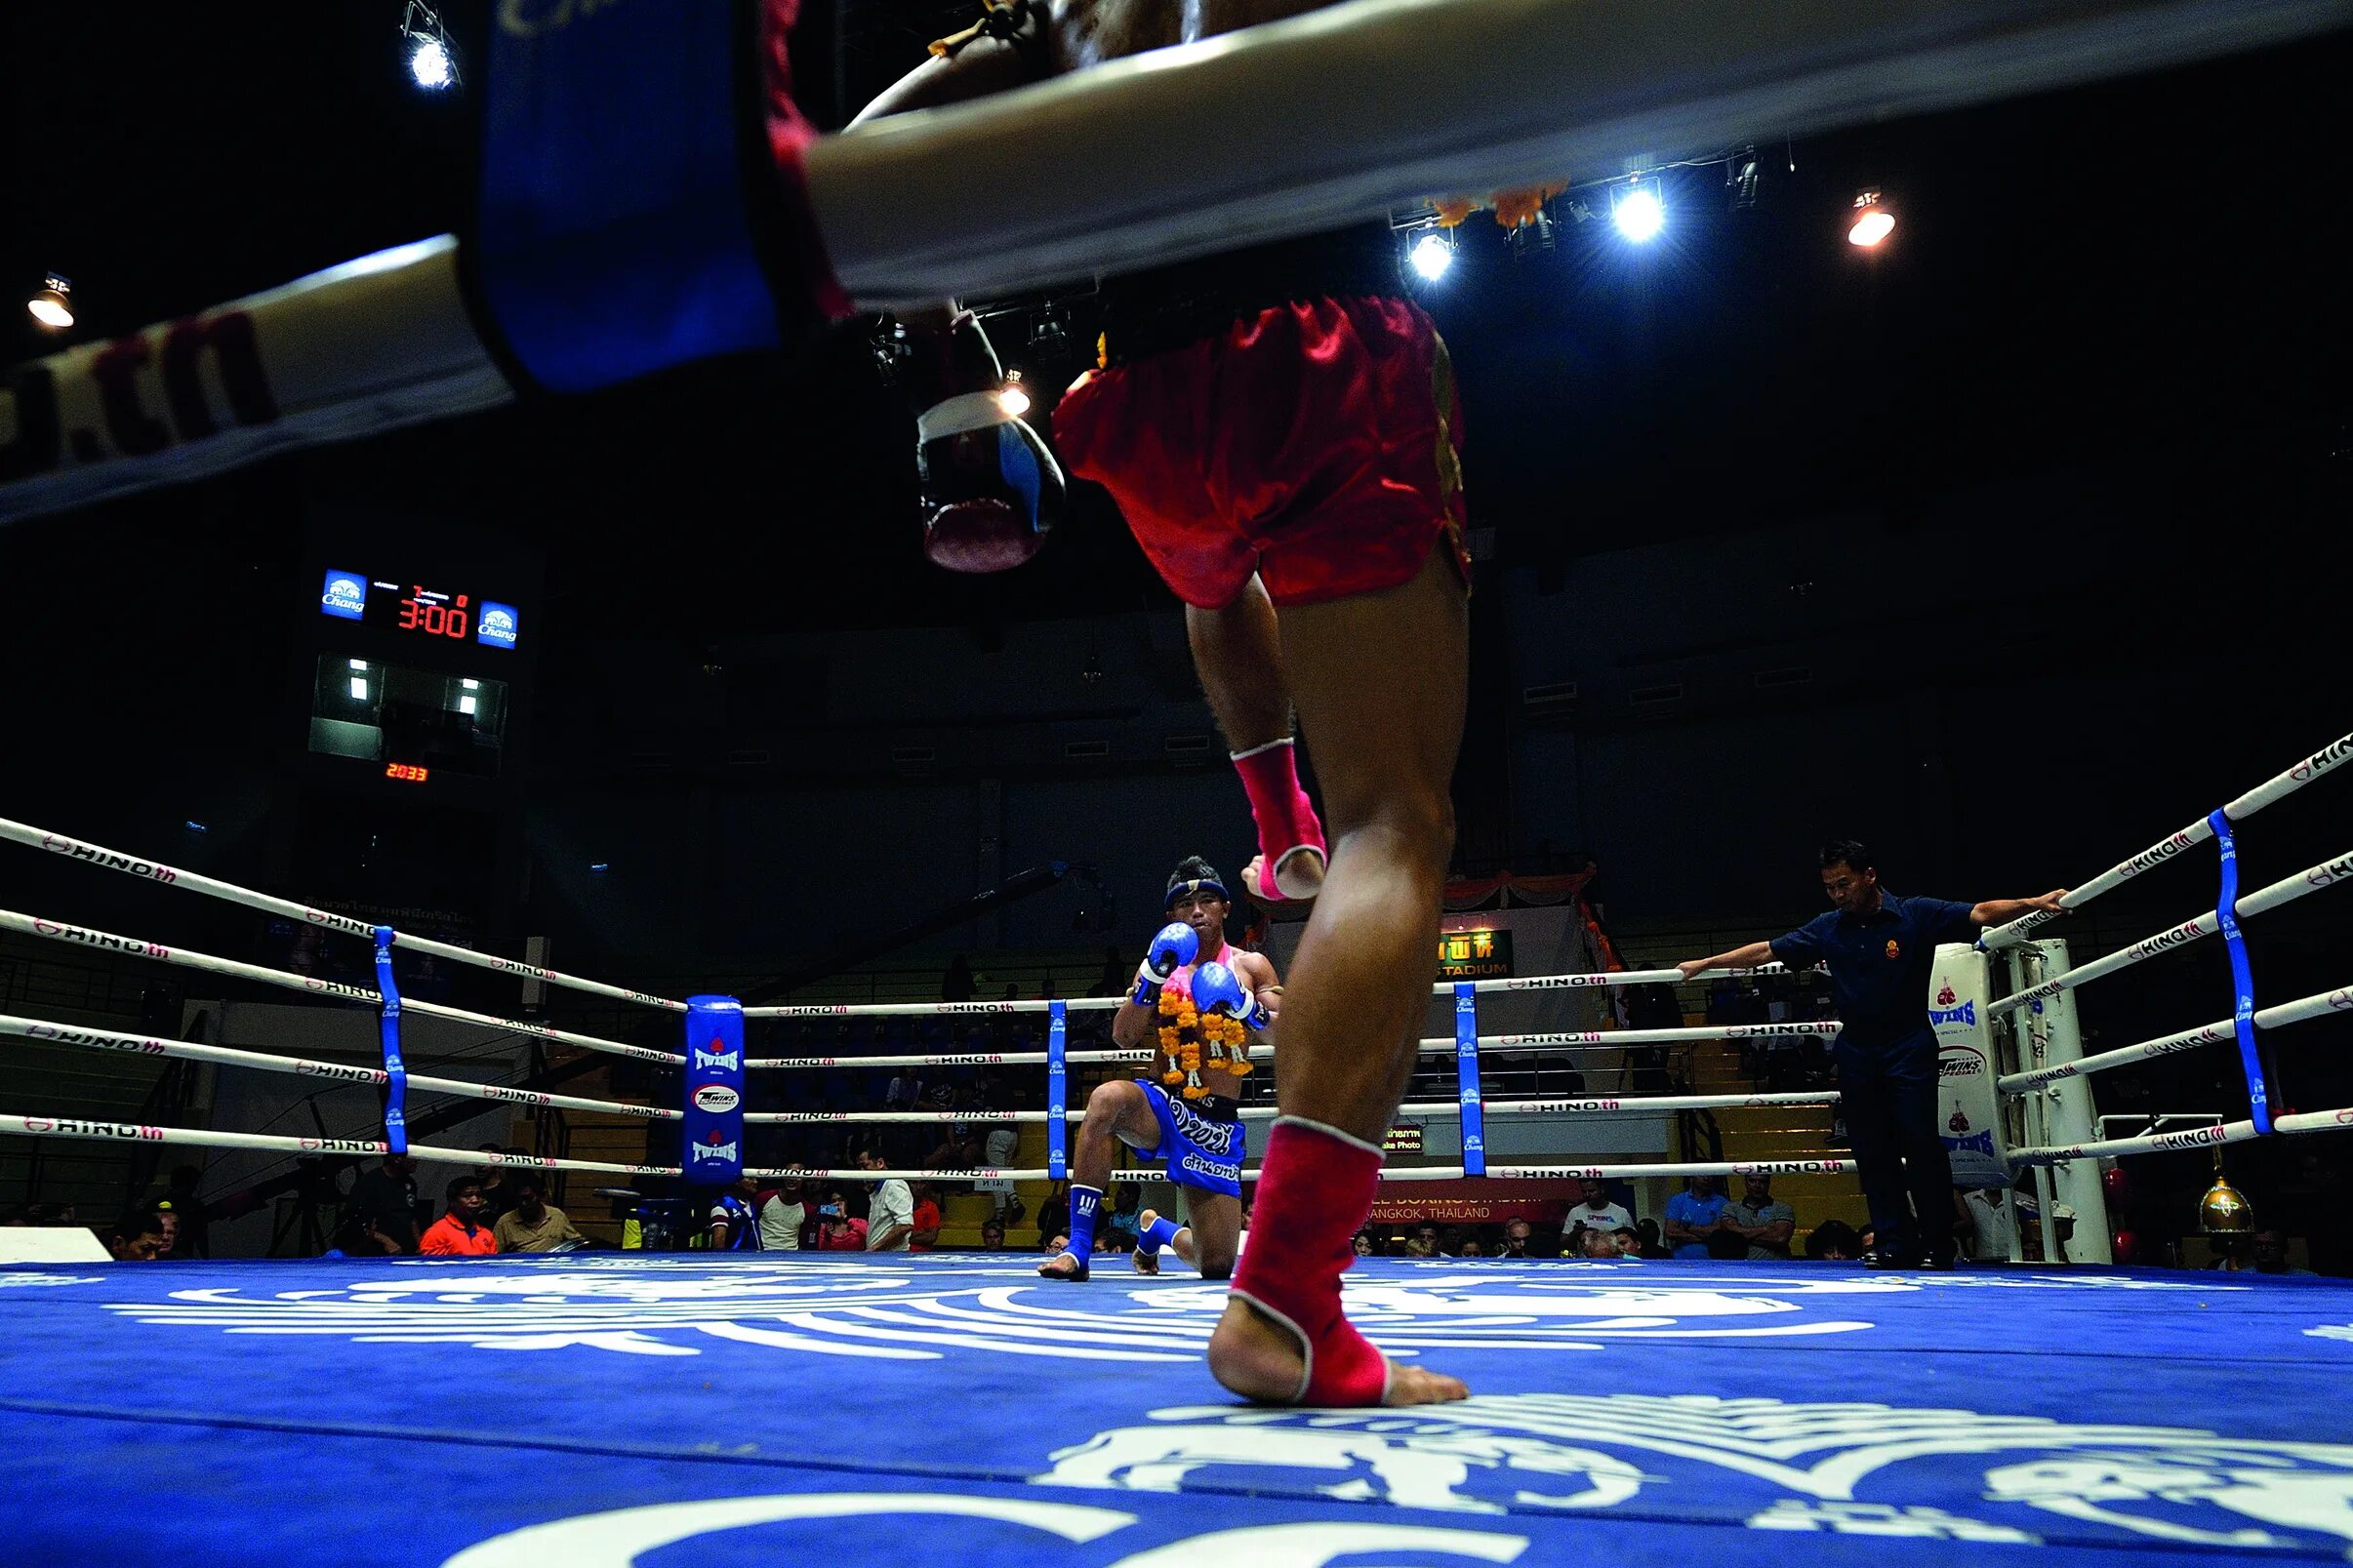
2221, 1031
2287, 890
2280, 785
1412, 98
107, 942
1395, 1173
1628, 1105
2230, 1132
111, 860
1075, 1004
122, 1131
1604, 979
335, 1071
1004, 1059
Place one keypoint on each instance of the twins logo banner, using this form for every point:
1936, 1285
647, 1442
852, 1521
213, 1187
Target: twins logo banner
715, 1089
1968, 1113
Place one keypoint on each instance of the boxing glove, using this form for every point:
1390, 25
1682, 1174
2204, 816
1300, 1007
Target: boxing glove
1175, 946
1219, 989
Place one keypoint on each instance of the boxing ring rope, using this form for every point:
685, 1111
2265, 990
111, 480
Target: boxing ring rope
89, 1131
2272, 791
2321, 1004
155, 871
926, 205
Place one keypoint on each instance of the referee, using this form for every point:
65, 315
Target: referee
1881, 949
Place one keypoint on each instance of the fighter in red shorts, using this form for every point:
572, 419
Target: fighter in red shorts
1278, 426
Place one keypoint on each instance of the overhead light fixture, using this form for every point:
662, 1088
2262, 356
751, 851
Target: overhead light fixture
1639, 210
1012, 397
1740, 179
1050, 334
359, 688
1431, 253
432, 63
1869, 223
53, 307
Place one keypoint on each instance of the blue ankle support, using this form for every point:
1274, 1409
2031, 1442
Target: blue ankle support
1157, 1234
1085, 1203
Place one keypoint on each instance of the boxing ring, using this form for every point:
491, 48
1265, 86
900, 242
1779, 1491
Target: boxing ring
652, 1408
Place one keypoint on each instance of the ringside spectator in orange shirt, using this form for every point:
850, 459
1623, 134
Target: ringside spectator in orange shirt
460, 1233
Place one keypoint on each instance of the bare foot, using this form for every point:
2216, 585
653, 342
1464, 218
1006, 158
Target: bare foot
1063, 1265
1257, 1359
1146, 1263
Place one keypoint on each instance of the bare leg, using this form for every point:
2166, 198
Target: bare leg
1237, 650
1115, 1113
1379, 681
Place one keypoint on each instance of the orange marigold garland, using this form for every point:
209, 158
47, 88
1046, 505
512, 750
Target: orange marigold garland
1514, 209
1187, 1034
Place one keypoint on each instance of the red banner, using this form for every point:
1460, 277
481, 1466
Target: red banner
1471, 1202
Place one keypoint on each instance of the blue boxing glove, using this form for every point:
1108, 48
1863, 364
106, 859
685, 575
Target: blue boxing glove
1219, 989
1175, 946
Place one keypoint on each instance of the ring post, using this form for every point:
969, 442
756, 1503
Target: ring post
713, 1155
2073, 1117
1057, 1093
1466, 1072
396, 1072
2242, 982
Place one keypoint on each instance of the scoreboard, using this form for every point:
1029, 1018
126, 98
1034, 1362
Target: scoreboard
413, 610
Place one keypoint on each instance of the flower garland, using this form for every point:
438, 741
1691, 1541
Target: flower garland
1513, 207
1189, 1036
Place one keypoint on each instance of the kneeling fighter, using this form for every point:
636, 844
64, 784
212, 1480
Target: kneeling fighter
1199, 1000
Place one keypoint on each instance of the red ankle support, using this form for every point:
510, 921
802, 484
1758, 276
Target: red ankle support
1286, 817
1315, 1188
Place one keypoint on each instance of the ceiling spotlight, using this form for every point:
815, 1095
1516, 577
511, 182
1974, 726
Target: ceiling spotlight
52, 308
1012, 397
1050, 334
1870, 222
1740, 179
432, 63
1639, 211
1431, 255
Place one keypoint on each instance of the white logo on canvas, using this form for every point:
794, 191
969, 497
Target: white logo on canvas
1558, 1451
50, 1279
664, 1307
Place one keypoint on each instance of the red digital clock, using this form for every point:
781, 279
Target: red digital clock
409, 771
384, 605
438, 616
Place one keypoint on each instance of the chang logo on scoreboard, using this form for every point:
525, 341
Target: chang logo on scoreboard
345, 597
500, 624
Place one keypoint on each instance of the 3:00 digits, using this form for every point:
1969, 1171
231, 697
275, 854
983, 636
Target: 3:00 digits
434, 618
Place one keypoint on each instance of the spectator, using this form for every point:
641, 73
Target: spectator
956, 985
134, 1239
1834, 1241
1002, 1148
905, 1092
839, 1229
1651, 1246
167, 1227
1450, 1242
1692, 1216
1595, 1210
1981, 1218
533, 1224
1760, 1219
1423, 1243
890, 1214
1629, 1242
960, 1150
2271, 1253
359, 1237
1365, 1246
2234, 1255
782, 1214
194, 1218
923, 1232
734, 1226
496, 1196
1054, 1215
992, 1236
1515, 1234
1596, 1242
461, 1233
1471, 1248
387, 1198
1725, 1245
1122, 1222
1055, 1243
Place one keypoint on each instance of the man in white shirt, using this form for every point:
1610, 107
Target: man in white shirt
1597, 1213
1987, 1210
781, 1215
1003, 1148
890, 1214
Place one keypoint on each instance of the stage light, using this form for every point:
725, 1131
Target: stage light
1639, 211
53, 307
1431, 255
432, 63
1011, 397
1870, 222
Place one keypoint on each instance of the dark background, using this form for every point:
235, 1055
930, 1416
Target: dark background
2007, 549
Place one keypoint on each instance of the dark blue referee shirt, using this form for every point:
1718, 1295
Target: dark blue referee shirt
1879, 962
